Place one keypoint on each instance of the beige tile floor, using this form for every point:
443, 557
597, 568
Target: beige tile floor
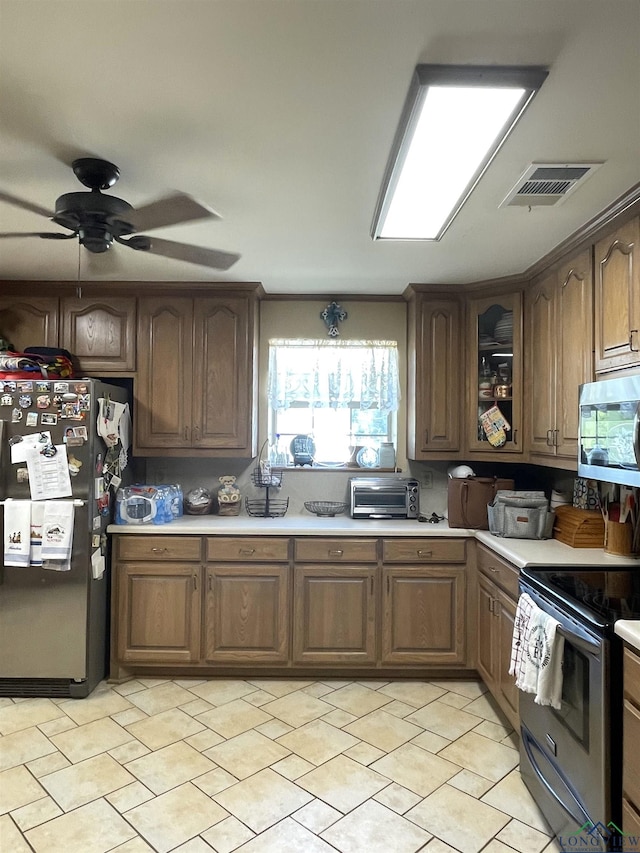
265, 766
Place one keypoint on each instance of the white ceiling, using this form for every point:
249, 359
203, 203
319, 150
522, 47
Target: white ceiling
280, 115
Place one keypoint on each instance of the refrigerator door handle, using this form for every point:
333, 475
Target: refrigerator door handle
76, 502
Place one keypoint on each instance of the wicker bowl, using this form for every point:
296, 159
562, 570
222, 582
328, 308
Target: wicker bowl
326, 509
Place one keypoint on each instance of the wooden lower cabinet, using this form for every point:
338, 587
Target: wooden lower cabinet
497, 601
631, 745
423, 617
209, 603
334, 614
158, 617
247, 613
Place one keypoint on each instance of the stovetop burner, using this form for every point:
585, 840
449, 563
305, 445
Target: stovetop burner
611, 595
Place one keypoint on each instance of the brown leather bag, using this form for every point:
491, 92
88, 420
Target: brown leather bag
468, 498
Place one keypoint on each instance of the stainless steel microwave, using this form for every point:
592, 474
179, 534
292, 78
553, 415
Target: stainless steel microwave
384, 497
608, 442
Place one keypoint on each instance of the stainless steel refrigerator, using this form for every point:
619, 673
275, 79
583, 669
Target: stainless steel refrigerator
54, 624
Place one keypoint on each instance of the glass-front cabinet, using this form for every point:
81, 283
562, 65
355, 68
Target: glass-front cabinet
494, 409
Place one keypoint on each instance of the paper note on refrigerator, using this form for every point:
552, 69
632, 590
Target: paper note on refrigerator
49, 475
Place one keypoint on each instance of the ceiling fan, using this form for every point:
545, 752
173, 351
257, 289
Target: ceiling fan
97, 220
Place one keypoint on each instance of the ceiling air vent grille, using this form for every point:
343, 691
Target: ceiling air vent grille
546, 184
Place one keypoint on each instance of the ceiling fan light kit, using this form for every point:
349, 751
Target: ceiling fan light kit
97, 220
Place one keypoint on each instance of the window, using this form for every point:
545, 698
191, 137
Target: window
344, 394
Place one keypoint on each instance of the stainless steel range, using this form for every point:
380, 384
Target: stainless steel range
571, 758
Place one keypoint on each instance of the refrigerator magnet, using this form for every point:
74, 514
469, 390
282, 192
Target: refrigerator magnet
25, 387
32, 419
42, 387
43, 401
16, 416
60, 387
6, 400
48, 418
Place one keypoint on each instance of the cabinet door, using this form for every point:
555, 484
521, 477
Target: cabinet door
423, 618
158, 612
574, 348
541, 384
434, 378
247, 613
495, 340
223, 377
29, 322
617, 299
486, 653
506, 690
334, 615
100, 333
163, 389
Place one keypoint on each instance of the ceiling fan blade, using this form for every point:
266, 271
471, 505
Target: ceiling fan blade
171, 210
44, 235
25, 205
191, 254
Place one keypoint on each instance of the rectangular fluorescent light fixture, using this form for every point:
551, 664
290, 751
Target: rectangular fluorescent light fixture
454, 121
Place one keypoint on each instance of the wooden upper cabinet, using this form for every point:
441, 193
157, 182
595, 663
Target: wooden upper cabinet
196, 377
100, 333
617, 299
434, 376
559, 331
31, 322
574, 351
494, 336
223, 352
164, 387
540, 363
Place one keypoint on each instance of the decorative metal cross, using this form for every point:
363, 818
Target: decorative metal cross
332, 315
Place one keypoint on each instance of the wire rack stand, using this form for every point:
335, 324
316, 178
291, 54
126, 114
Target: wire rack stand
266, 507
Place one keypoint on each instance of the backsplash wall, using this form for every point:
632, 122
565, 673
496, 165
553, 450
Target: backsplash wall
302, 485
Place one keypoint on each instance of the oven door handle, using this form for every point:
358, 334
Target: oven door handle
589, 647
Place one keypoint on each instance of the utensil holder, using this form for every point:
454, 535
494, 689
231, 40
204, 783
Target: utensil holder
618, 537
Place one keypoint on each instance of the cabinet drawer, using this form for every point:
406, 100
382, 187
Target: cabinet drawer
501, 573
336, 550
632, 676
134, 547
631, 752
247, 548
425, 550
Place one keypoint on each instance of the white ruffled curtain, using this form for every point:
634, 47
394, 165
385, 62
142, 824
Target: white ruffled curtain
334, 374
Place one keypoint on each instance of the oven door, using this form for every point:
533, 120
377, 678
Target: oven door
565, 754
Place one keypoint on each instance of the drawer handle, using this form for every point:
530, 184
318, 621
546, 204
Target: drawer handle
158, 550
425, 553
336, 553
494, 570
247, 551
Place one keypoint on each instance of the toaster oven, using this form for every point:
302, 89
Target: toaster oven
384, 497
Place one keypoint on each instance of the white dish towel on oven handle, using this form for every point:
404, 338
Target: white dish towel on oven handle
541, 670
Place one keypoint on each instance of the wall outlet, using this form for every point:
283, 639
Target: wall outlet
427, 479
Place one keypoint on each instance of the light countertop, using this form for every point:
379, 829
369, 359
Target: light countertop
520, 552
292, 525
629, 630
